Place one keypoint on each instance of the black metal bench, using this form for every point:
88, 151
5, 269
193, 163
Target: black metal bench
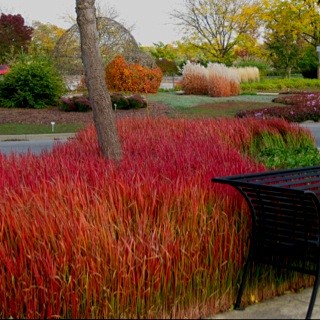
285, 213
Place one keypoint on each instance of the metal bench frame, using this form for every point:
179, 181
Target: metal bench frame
285, 213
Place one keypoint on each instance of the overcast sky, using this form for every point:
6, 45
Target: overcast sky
150, 18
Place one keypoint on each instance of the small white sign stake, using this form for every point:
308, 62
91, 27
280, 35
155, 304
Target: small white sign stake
52, 126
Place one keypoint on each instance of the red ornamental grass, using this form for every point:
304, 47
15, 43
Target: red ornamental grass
152, 237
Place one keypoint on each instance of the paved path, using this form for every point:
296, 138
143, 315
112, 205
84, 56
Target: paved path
35, 143
287, 306
32, 137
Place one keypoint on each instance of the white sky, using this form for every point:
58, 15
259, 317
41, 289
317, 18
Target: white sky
150, 18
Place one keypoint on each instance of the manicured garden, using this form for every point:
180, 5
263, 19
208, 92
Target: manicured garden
151, 236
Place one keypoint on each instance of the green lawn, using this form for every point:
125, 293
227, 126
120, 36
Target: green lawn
204, 106
18, 128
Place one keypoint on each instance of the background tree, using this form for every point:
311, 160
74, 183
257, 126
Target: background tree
214, 25
44, 38
164, 51
15, 36
283, 37
308, 13
292, 34
94, 76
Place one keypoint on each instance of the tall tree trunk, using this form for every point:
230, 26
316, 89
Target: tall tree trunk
99, 97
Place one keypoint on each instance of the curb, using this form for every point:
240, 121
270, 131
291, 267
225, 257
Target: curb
32, 137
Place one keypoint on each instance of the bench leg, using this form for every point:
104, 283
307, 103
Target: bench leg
314, 294
243, 281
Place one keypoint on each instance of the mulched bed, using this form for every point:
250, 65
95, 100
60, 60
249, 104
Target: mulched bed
45, 116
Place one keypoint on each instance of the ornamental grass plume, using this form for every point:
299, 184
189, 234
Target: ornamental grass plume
222, 81
216, 80
247, 74
194, 79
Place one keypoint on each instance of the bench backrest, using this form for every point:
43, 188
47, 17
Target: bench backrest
285, 212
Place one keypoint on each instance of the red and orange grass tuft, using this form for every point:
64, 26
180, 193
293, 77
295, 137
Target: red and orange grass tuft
150, 238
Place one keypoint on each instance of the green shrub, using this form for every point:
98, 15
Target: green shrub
120, 101
280, 84
31, 83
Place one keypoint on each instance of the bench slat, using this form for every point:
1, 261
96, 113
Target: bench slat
285, 212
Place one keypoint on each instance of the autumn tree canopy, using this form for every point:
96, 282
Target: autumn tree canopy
215, 25
14, 34
291, 34
44, 38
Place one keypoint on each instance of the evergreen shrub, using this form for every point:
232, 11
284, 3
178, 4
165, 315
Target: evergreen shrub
31, 83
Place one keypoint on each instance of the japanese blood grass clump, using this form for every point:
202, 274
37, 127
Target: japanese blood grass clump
150, 238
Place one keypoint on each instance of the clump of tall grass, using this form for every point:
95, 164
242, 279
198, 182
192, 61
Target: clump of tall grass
247, 74
194, 79
152, 237
216, 80
222, 81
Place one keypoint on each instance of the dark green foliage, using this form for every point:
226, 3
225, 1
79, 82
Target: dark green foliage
31, 83
120, 101
310, 73
308, 63
75, 104
136, 101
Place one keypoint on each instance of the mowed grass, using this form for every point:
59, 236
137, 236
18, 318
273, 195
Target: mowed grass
204, 106
178, 101
226, 109
18, 128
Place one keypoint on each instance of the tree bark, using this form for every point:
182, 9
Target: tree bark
99, 97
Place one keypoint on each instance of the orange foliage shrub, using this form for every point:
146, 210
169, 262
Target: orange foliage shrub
124, 77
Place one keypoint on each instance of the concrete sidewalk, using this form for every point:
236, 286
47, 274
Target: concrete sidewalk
32, 137
288, 306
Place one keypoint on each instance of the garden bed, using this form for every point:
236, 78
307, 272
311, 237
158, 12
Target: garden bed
47, 115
